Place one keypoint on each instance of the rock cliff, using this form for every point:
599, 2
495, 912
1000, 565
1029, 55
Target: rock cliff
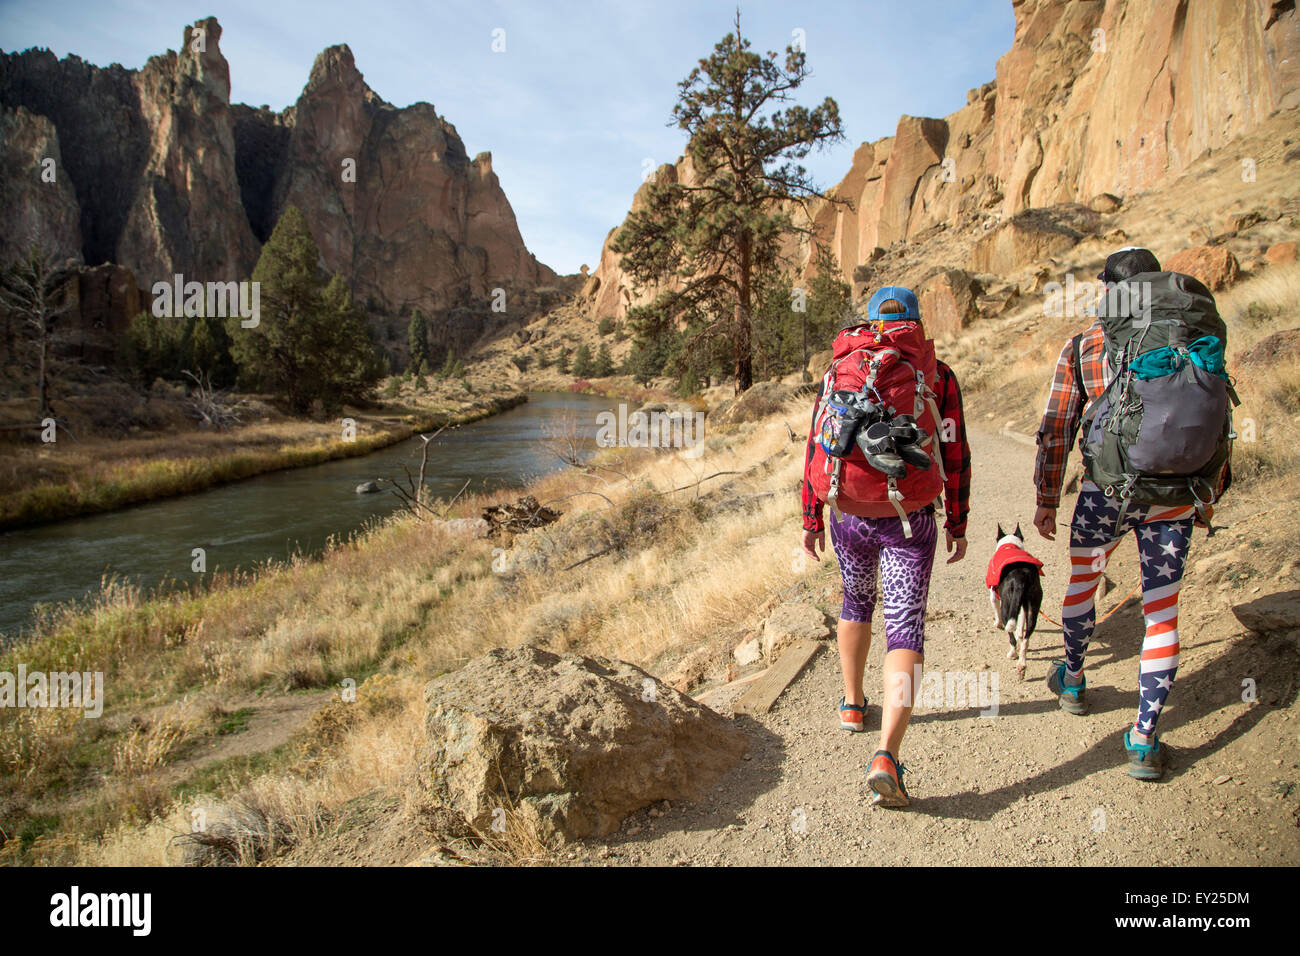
156, 171
1094, 97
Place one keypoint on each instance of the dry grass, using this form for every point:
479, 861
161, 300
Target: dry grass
1268, 429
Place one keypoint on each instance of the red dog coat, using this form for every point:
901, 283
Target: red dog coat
1008, 554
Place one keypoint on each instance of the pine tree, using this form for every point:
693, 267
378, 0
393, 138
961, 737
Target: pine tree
417, 336
582, 364
604, 364
209, 352
311, 343
830, 304
714, 241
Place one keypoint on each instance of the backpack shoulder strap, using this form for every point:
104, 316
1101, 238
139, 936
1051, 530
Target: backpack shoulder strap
1078, 373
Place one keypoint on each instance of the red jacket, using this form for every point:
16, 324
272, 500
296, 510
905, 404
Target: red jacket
1008, 554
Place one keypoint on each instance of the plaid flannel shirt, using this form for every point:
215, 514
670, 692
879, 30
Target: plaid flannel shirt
1065, 410
956, 463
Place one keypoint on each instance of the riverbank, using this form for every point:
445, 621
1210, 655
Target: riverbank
41, 483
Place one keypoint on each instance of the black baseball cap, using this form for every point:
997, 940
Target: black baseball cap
1128, 262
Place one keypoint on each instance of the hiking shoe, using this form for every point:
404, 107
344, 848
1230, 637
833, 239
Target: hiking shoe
1073, 700
1145, 761
885, 778
878, 447
908, 438
853, 717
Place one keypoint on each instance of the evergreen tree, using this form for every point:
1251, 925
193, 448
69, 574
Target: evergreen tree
209, 352
154, 348
583, 367
604, 365
311, 343
709, 244
417, 336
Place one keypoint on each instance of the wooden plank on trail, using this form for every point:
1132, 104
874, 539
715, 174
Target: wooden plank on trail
760, 698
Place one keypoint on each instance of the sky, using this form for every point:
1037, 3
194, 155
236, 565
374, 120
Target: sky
576, 107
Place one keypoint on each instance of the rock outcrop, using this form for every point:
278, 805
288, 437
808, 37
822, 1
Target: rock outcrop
1272, 614
157, 172
392, 197
1093, 102
1216, 266
1031, 235
570, 744
37, 202
949, 302
790, 623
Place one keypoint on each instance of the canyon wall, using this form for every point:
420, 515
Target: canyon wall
1094, 96
155, 171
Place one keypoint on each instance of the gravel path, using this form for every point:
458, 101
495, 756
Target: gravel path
1031, 784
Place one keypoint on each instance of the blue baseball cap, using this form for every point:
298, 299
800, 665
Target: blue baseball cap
911, 308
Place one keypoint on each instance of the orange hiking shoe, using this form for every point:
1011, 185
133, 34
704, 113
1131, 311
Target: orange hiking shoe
853, 717
885, 778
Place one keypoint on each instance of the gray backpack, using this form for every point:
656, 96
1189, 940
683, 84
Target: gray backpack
1161, 433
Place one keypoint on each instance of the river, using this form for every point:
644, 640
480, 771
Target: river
272, 516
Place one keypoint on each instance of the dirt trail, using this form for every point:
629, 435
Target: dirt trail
1031, 784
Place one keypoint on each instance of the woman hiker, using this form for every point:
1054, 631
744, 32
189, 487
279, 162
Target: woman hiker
884, 492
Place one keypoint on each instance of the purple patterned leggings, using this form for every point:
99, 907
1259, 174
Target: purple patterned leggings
865, 544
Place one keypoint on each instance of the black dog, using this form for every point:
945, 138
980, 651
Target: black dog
1015, 592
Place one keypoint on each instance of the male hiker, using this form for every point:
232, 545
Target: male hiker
1157, 346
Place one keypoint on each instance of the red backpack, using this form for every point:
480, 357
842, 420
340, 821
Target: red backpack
896, 362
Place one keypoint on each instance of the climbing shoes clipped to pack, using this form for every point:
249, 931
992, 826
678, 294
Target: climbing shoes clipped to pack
888, 441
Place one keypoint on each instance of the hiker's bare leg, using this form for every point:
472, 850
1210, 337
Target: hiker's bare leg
902, 683
854, 638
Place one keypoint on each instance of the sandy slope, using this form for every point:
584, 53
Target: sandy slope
1032, 784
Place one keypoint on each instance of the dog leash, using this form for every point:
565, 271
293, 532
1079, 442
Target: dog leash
1137, 587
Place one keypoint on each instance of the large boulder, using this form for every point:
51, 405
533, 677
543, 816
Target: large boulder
758, 401
1216, 266
1105, 203
570, 744
1281, 253
819, 362
1272, 614
790, 623
949, 302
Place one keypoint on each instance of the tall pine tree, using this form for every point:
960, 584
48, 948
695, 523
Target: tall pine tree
417, 337
710, 243
311, 343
